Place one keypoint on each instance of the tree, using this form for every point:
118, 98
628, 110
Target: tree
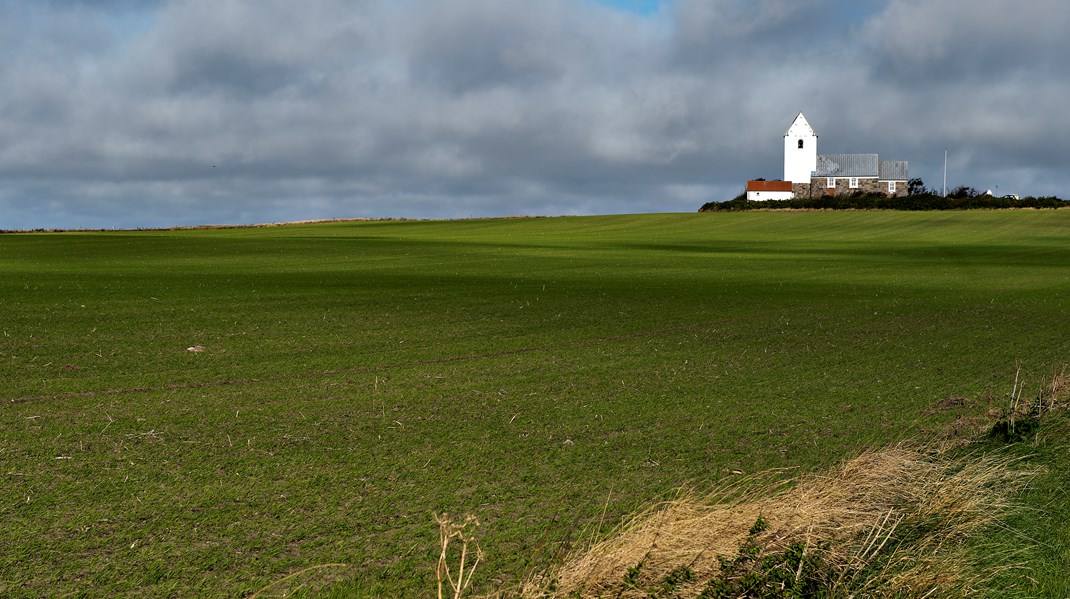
963, 192
916, 187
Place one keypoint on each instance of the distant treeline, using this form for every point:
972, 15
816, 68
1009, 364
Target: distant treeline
876, 201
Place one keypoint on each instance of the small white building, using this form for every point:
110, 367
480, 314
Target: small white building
761, 190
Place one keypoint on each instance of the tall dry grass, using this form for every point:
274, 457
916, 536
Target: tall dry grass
887, 523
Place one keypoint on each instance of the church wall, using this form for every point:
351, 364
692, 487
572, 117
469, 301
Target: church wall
816, 188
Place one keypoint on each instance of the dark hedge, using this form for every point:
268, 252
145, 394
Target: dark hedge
877, 201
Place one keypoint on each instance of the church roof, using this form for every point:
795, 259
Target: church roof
847, 165
894, 170
861, 165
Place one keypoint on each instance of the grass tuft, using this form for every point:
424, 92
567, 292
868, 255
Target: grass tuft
1018, 421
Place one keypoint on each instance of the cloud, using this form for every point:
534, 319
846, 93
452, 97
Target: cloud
137, 113
951, 42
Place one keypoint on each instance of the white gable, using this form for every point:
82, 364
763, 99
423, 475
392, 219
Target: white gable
800, 128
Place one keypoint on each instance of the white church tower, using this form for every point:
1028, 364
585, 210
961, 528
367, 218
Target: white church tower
800, 151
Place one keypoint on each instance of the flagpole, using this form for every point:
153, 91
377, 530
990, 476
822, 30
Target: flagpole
945, 172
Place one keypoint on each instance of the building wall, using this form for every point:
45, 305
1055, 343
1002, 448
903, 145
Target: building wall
900, 188
762, 196
817, 187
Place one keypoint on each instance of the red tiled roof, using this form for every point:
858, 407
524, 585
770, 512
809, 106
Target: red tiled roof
768, 185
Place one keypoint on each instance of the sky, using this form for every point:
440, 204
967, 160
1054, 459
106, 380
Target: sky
156, 113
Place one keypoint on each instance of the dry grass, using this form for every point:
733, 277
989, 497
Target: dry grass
1018, 420
455, 583
888, 523
307, 579
1052, 396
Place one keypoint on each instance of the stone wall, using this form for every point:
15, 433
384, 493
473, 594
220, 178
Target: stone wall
816, 188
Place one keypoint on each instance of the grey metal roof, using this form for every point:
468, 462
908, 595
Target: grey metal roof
847, 165
894, 170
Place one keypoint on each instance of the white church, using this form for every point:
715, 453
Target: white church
808, 174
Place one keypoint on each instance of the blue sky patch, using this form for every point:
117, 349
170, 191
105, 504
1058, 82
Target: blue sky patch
642, 7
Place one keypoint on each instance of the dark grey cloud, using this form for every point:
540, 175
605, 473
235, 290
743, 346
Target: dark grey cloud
142, 113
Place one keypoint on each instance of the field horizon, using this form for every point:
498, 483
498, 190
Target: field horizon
550, 375
286, 223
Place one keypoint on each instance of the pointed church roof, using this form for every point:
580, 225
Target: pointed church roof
799, 127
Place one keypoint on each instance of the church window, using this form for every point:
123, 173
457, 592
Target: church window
854, 183
891, 187
800, 144
830, 183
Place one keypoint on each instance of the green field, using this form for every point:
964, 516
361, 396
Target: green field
358, 377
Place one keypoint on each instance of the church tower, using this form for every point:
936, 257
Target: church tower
800, 151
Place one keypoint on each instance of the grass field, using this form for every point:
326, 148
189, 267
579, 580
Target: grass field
359, 377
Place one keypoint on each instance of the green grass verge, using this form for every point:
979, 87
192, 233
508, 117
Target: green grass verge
358, 377
1040, 532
